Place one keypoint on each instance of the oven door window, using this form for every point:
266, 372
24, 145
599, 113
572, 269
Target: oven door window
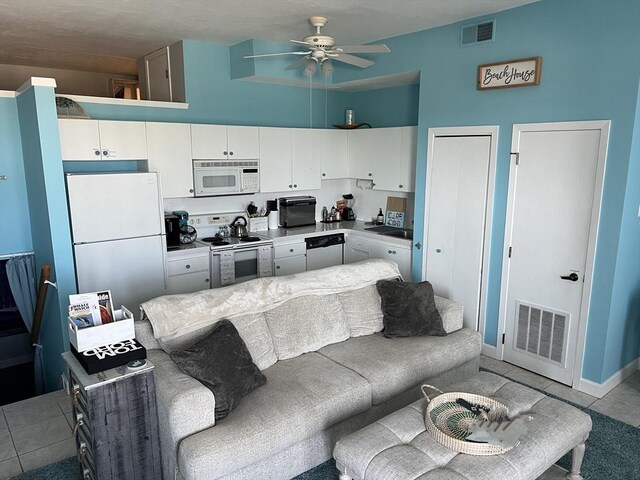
246, 263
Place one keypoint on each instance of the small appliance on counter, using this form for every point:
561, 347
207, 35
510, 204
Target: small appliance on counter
347, 210
297, 211
172, 230
188, 233
272, 214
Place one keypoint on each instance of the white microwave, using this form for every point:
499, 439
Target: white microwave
225, 177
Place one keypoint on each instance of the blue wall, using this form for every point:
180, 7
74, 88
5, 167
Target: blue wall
15, 231
585, 76
387, 107
49, 220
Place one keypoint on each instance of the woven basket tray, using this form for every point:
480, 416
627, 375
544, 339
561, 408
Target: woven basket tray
449, 422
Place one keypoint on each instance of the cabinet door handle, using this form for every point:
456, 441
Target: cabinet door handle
79, 423
277, 267
290, 186
324, 174
230, 153
371, 175
191, 190
291, 250
295, 185
187, 266
75, 393
225, 153
399, 186
206, 280
96, 151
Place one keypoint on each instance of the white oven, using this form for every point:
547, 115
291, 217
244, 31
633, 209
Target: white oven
225, 177
240, 263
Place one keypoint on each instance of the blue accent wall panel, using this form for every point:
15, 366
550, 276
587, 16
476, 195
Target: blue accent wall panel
387, 107
15, 229
49, 220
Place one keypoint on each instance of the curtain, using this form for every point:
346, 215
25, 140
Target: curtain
22, 281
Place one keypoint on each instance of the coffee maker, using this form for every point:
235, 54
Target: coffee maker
347, 211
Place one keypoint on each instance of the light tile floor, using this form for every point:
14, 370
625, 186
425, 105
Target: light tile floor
37, 431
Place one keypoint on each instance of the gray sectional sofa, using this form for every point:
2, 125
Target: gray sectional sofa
329, 373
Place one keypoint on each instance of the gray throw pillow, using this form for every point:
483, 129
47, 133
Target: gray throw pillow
409, 309
223, 364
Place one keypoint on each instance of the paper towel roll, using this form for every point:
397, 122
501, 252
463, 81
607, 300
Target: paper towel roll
273, 220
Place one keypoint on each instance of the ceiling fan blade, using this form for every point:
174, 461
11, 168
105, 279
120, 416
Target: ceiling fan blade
297, 64
380, 48
276, 54
353, 60
301, 42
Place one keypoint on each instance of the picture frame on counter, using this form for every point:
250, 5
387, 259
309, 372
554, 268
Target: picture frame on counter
522, 72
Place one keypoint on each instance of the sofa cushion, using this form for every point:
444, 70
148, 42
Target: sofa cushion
409, 309
223, 364
401, 363
253, 330
305, 324
450, 312
302, 396
363, 310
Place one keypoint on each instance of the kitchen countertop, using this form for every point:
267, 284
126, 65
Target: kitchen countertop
281, 235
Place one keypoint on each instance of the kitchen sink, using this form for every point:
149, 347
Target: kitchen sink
400, 234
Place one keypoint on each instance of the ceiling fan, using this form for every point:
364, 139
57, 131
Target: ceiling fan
321, 49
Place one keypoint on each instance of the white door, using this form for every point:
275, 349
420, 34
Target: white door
306, 152
361, 153
133, 269
79, 139
116, 205
335, 154
387, 148
456, 219
275, 159
243, 142
158, 82
550, 224
209, 142
170, 154
121, 140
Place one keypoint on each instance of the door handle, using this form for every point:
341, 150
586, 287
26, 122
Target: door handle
573, 277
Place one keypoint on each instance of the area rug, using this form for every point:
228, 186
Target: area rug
612, 453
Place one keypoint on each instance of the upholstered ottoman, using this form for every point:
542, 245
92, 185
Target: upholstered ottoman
398, 446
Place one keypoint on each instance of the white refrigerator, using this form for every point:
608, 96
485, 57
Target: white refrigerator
117, 225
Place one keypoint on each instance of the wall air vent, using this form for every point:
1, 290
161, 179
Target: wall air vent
477, 33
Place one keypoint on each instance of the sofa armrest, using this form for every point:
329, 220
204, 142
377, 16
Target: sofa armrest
451, 313
144, 334
185, 407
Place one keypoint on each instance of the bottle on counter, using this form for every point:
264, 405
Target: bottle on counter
380, 218
325, 214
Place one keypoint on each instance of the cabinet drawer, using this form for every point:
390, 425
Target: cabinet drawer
283, 251
188, 265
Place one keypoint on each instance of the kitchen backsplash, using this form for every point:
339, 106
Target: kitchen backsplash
367, 201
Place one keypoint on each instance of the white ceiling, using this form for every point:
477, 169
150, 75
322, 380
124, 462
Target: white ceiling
109, 35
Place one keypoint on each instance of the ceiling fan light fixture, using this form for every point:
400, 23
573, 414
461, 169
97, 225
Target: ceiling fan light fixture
310, 68
327, 67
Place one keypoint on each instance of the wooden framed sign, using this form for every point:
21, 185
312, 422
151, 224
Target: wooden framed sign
523, 72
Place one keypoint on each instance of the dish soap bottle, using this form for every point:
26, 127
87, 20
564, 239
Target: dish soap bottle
380, 219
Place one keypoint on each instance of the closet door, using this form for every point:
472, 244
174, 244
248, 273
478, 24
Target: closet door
456, 202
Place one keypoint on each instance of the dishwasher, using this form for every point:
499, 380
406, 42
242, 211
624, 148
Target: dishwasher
324, 251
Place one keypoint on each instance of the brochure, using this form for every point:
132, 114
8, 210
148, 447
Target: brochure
91, 309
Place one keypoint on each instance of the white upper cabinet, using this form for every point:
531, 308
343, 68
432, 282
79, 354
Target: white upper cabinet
215, 142
290, 159
361, 153
82, 139
275, 159
335, 154
170, 154
306, 158
385, 155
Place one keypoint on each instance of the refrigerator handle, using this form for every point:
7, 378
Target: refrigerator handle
160, 205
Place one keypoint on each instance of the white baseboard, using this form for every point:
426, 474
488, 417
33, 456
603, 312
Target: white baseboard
601, 389
490, 351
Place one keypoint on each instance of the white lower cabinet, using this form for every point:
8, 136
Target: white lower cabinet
391, 251
290, 258
358, 248
188, 270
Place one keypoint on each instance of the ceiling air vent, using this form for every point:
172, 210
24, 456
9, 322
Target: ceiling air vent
477, 33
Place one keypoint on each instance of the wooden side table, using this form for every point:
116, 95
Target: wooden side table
116, 425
